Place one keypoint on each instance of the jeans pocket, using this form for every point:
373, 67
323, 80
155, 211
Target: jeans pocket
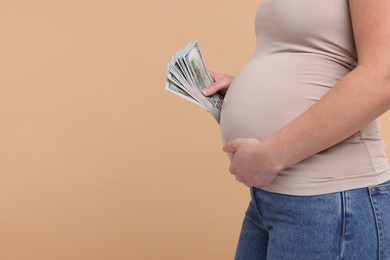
380, 199
381, 188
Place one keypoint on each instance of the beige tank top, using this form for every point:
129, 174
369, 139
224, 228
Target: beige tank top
303, 48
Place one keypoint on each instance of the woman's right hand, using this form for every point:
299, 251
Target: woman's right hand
221, 84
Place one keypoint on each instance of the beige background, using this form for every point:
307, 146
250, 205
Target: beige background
97, 160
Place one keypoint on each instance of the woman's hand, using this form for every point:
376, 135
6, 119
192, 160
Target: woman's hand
252, 162
221, 84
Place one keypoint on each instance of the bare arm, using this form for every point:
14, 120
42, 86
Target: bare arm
360, 97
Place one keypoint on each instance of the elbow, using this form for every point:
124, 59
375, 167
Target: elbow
385, 82
384, 86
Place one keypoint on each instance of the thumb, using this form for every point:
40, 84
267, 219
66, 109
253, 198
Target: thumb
212, 89
229, 147
219, 85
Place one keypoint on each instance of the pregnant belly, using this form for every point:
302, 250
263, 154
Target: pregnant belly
270, 91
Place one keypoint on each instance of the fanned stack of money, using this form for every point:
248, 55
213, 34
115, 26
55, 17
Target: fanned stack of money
188, 76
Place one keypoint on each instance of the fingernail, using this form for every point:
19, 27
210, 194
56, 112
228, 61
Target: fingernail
205, 92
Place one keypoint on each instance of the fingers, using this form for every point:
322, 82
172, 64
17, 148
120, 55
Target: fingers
241, 180
229, 147
233, 148
221, 83
214, 88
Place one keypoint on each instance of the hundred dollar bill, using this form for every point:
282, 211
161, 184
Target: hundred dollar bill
177, 87
188, 76
194, 61
172, 87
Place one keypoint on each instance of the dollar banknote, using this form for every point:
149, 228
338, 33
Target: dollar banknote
188, 76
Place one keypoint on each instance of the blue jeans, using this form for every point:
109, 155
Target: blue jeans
350, 225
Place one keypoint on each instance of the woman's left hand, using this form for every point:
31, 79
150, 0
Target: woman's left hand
251, 163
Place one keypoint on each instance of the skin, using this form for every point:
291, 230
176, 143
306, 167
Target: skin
362, 96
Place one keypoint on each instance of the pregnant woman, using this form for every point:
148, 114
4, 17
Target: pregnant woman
299, 124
